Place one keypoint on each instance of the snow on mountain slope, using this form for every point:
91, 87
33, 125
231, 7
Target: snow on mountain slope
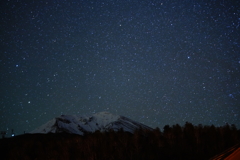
102, 121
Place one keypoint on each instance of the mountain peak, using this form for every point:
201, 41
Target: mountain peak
102, 121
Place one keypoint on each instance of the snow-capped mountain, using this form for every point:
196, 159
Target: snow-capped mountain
102, 121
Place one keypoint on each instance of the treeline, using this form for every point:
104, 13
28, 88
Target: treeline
174, 142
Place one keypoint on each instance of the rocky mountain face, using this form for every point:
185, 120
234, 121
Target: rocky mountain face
102, 121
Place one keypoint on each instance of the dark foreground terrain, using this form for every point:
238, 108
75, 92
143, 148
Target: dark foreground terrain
175, 142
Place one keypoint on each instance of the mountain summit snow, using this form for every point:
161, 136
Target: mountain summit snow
102, 121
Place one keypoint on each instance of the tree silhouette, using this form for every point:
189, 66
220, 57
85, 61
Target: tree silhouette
175, 142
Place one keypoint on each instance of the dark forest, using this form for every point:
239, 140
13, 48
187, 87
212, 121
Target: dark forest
174, 142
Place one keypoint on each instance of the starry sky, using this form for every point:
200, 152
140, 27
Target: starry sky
156, 62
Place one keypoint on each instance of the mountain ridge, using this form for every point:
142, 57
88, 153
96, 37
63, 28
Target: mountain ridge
101, 121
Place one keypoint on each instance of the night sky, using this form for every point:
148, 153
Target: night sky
156, 62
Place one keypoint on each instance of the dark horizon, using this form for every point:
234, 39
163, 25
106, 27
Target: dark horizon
175, 142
